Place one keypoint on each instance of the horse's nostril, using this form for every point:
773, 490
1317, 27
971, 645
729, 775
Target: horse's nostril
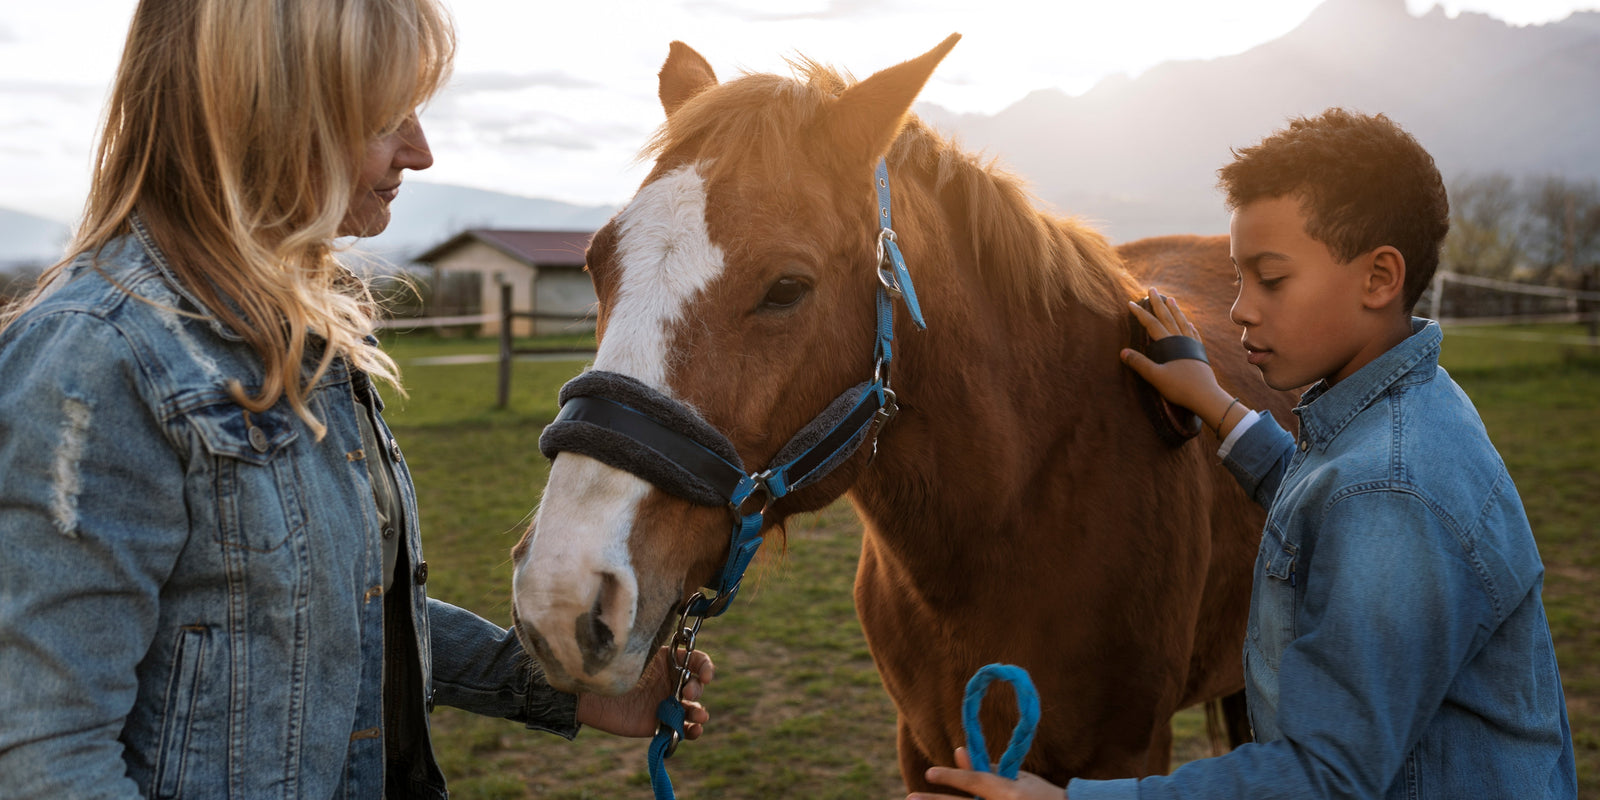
595, 638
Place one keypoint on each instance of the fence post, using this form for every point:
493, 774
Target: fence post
504, 395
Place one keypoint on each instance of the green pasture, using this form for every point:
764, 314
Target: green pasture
797, 707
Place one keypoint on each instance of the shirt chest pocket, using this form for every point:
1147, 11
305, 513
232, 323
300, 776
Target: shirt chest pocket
1277, 584
250, 475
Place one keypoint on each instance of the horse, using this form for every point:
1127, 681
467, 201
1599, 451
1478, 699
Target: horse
1020, 508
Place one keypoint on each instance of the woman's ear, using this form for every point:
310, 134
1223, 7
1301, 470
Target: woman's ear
1386, 278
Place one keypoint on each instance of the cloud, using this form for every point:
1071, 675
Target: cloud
71, 92
835, 10
474, 82
8, 36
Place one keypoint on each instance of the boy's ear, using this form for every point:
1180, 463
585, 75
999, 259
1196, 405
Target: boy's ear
1386, 278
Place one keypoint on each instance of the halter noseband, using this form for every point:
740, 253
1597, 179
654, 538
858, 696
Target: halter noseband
627, 425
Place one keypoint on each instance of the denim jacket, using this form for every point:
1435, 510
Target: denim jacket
190, 592
1396, 646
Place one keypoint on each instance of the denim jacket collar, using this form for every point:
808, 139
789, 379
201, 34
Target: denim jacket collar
1325, 409
141, 232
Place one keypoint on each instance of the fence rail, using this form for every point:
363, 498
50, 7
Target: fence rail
508, 352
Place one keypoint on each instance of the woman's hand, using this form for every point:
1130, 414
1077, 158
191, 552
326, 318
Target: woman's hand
987, 785
1184, 382
634, 713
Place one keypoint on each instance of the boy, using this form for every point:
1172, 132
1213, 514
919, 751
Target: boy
1397, 646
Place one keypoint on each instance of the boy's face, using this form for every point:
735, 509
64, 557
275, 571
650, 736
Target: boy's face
1301, 309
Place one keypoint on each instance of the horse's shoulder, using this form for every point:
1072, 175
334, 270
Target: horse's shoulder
1175, 249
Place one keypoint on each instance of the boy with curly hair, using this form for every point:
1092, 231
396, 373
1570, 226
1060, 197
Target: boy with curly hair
1397, 646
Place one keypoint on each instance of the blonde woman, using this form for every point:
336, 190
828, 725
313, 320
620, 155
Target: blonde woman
211, 577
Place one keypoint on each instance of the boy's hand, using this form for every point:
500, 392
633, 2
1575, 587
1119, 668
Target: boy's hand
634, 713
1183, 382
988, 785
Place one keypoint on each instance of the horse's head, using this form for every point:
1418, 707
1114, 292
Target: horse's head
739, 282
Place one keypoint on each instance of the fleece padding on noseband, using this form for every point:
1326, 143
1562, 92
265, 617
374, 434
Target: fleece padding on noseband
625, 424
819, 448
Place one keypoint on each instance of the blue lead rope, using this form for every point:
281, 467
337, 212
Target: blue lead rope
1021, 735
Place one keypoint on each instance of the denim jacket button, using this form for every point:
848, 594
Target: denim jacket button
1305, 444
258, 439
420, 576
394, 449
388, 531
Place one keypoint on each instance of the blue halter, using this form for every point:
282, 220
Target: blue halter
632, 427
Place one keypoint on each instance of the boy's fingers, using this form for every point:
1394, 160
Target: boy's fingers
1184, 326
1138, 362
1153, 326
1158, 304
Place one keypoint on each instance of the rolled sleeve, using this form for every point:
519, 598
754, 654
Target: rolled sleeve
1259, 457
479, 666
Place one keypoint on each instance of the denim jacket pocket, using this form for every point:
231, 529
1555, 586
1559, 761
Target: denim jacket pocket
254, 481
1277, 587
183, 692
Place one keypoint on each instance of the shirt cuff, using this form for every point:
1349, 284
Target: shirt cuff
1124, 789
552, 711
1238, 430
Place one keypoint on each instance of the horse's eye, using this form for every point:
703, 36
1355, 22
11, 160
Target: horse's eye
784, 294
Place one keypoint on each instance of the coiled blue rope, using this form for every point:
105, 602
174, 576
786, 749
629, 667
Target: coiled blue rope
1027, 718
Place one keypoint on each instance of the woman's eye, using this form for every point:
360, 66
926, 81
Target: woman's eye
784, 293
1270, 283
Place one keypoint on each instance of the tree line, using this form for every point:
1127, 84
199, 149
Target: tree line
1541, 229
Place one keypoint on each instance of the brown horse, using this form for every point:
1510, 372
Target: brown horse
1020, 508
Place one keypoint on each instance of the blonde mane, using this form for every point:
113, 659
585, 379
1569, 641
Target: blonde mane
760, 118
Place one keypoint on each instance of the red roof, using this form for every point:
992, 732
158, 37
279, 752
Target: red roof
534, 248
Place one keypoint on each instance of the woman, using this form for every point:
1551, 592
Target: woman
211, 578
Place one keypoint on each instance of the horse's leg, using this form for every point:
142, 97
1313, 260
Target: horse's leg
913, 762
1159, 757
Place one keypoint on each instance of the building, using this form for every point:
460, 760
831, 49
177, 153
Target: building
544, 269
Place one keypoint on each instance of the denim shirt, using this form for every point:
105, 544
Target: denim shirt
190, 592
1396, 646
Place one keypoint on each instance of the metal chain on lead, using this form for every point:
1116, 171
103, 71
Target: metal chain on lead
683, 643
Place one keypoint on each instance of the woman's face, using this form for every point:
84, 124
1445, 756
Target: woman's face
379, 180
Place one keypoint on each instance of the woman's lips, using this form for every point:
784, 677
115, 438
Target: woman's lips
388, 195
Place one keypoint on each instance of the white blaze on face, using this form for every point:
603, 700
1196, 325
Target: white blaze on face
665, 259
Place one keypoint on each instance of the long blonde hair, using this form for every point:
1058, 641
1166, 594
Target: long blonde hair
235, 130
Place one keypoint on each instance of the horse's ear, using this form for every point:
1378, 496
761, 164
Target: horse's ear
685, 75
868, 116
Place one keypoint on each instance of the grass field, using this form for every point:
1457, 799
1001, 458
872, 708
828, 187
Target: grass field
797, 706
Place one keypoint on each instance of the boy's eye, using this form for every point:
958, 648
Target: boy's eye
1270, 283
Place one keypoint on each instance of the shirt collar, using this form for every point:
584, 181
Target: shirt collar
1325, 410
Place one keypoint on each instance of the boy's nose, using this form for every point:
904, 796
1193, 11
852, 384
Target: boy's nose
1241, 313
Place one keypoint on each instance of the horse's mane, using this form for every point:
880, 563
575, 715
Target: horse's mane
758, 118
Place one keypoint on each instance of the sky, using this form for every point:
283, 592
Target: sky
556, 99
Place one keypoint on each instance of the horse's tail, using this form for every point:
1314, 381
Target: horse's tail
1228, 723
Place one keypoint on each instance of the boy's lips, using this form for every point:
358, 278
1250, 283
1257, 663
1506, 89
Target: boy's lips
1256, 354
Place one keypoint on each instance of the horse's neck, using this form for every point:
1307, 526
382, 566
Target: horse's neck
990, 402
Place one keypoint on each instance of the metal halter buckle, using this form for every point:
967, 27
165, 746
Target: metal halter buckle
886, 274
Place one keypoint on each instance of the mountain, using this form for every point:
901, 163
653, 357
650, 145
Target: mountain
27, 240
426, 214
1140, 155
